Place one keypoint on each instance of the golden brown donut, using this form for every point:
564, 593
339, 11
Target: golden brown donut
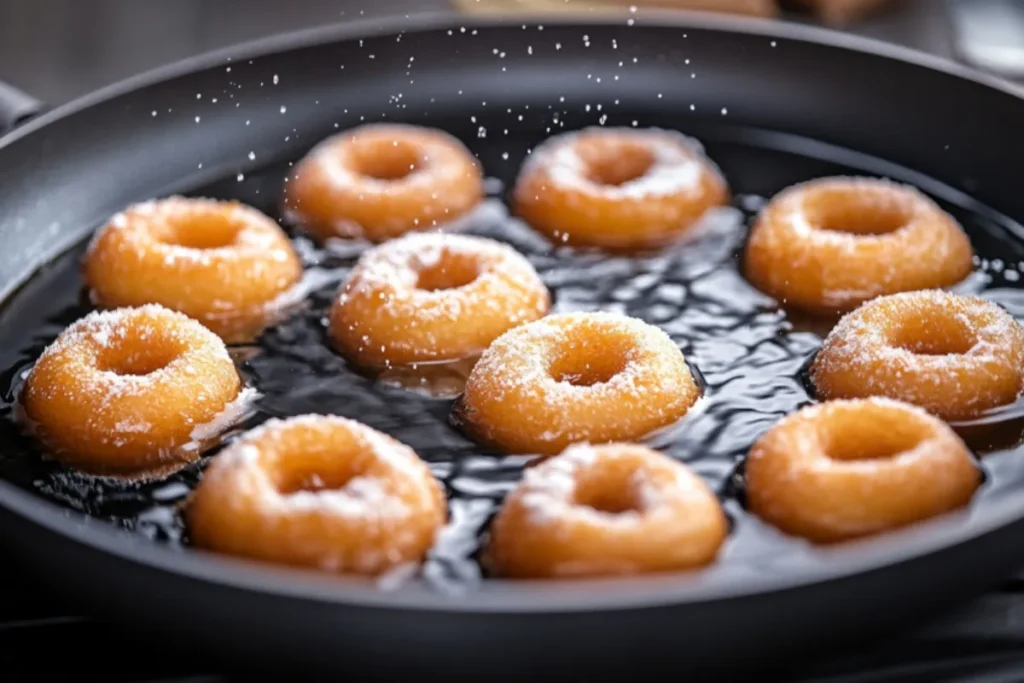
829, 245
573, 377
431, 297
617, 188
382, 180
606, 510
318, 491
956, 356
130, 391
222, 263
850, 468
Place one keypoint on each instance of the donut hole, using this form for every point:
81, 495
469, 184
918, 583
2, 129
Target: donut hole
933, 333
862, 212
385, 159
212, 230
607, 489
451, 271
876, 436
137, 353
314, 471
585, 366
614, 162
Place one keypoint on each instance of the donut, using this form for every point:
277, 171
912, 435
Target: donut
222, 263
431, 297
617, 188
574, 377
320, 492
613, 509
955, 356
382, 180
828, 245
849, 468
129, 391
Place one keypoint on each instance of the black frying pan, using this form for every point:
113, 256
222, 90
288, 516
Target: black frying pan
767, 85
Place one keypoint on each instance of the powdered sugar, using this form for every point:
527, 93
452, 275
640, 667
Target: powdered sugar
496, 282
678, 163
516, 371
233, 413
549, 490
865, 345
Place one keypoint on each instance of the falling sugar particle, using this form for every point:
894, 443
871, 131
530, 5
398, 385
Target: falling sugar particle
154, 112
724, 111
240, 177
774, 43
504, 155
197, 119
283, 109
252, 156
275, 79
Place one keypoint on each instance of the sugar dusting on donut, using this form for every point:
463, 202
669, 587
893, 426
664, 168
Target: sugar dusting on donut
896, 239
379, 523
677, 162
101, 329
257, 232
520, 346
359, 497
382, 305
862, 340
83, 384
233, 413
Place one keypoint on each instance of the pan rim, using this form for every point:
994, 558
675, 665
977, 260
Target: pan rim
494, 595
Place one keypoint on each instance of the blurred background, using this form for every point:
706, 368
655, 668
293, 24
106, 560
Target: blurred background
60, 49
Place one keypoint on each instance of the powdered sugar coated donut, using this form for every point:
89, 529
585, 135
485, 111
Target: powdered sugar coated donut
606, 510
130, 391
220, 262
322, 492
382, 180
618, 188
850, 468
831, 244
433, 296
573, 377
956, 356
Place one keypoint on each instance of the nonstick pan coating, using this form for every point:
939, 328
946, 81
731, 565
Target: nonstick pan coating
65, 172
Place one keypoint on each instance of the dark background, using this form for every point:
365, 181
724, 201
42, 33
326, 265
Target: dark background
60, 49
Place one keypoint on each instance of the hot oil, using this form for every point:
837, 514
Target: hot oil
751, 357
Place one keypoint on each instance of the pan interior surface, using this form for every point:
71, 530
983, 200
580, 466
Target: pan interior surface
501, 101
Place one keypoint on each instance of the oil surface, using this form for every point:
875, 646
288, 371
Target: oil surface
749, 352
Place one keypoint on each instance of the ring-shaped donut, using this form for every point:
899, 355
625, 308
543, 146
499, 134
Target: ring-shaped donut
130, 391
828, 245
382, 180
320, 492
617, 188
955, 356
222, 263
849, 468
606, 510
431, 297
574, 377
